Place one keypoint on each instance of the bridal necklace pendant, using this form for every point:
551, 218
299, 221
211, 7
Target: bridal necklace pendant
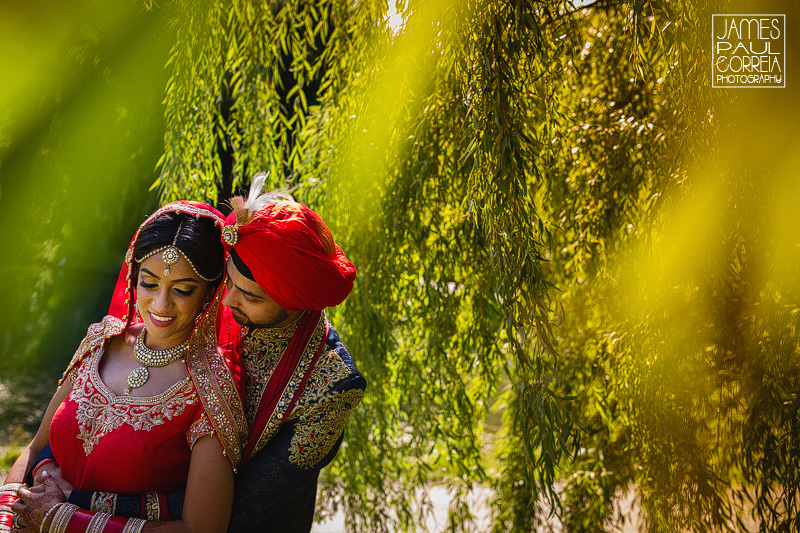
147, 357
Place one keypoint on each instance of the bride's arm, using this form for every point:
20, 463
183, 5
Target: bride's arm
16, 475
209, 492
207, 507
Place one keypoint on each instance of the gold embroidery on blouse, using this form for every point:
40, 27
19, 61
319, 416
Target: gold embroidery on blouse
100, 411
207, 367
320, 425
96, 336
200, 428
262, 350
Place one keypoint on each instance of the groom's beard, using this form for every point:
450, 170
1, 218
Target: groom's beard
271, 322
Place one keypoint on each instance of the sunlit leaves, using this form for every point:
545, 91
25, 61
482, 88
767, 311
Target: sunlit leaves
518, 185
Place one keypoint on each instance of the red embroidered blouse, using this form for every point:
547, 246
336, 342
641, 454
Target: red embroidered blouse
123, 444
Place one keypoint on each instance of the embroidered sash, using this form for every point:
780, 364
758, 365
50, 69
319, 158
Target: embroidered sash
287, 380
216, 384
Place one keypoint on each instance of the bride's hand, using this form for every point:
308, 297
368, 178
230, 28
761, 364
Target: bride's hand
55, 472
34, 503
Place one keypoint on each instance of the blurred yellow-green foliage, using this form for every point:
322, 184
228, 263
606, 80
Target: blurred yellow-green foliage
80, 134
559, 226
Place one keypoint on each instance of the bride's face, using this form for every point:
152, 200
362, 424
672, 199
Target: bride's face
169, 303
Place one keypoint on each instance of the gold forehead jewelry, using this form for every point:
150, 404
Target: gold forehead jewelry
148, 357
170, 257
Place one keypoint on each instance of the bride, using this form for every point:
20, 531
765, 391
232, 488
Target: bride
148, 403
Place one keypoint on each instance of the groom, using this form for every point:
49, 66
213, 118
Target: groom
301, 383
284, 270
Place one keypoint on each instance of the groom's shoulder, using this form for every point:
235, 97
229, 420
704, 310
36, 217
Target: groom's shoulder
334, 379
337, 361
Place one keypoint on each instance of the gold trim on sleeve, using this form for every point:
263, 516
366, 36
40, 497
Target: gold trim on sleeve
152, 508
320, 426
104, 502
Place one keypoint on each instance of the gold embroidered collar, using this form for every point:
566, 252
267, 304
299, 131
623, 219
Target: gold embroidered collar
258, 340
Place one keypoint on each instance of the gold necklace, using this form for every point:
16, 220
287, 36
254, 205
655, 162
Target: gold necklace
148, 357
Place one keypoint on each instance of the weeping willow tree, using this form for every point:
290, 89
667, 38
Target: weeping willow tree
547, 232
427, 180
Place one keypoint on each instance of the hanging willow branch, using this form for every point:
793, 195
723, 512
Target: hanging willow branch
487, 166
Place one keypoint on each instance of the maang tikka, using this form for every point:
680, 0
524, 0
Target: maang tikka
170, 255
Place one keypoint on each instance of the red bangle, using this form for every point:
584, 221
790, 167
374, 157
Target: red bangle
40, 464
80, 521
6, 520
8, 499
163, 512
115, 524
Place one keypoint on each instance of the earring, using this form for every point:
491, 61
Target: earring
200, 314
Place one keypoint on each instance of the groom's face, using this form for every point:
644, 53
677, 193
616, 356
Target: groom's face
250, 305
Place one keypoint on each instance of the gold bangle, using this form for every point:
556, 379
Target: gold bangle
134, 525
97, 523
62, 518
42, 526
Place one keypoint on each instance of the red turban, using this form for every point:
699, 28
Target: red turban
293, 257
